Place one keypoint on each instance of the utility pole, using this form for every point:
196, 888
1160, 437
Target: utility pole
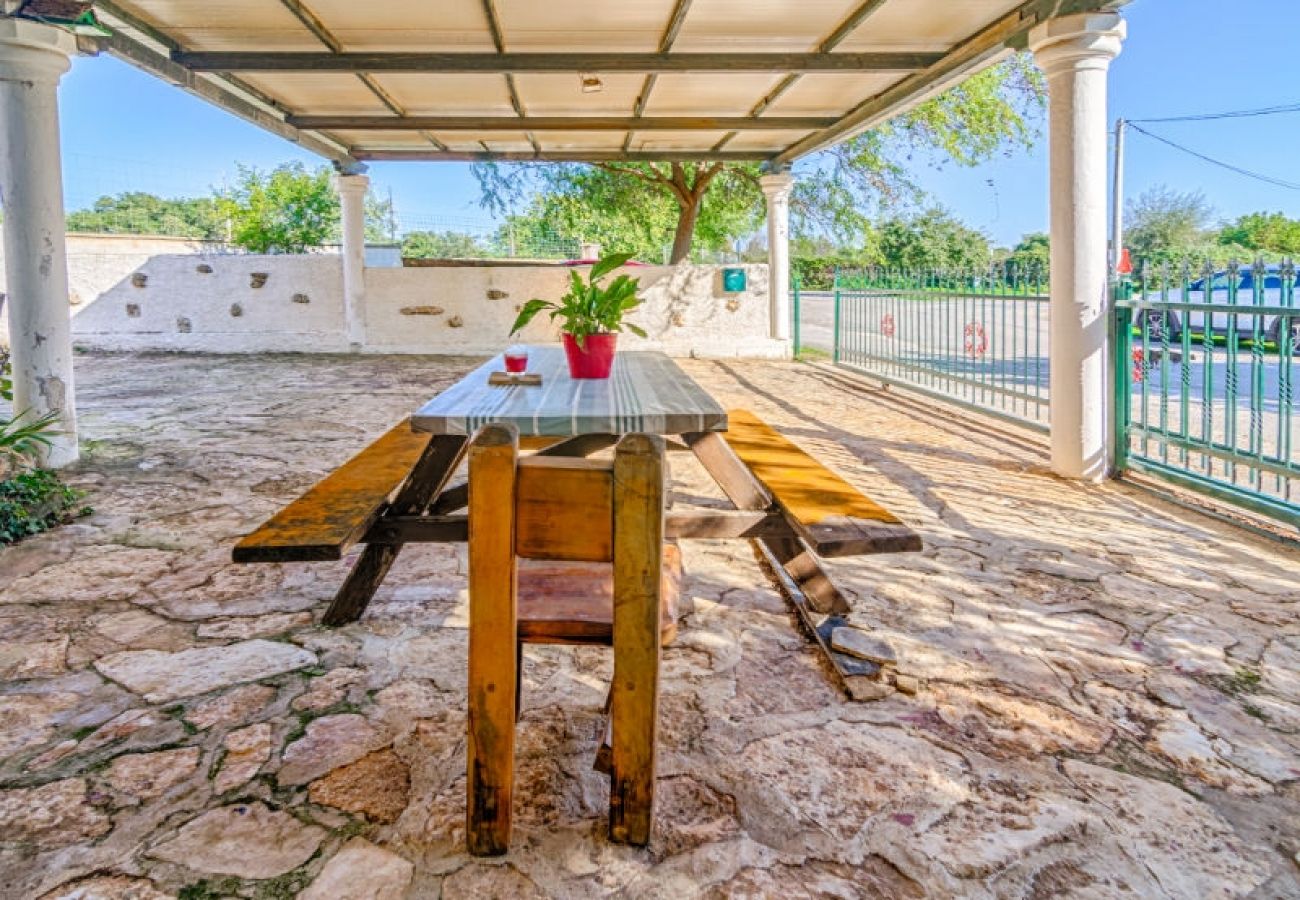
1117, 203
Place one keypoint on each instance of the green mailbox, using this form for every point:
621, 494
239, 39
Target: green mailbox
733, 280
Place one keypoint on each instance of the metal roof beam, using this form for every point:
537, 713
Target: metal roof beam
467, 63
562, 123
575, 156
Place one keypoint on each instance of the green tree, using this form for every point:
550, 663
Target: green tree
1031, 256
137, 212
441, 245
381, 219
1263, 232
641, 207
286, 210
1162, 223
933, 239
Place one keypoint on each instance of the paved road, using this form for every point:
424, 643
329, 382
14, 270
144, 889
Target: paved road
928, 347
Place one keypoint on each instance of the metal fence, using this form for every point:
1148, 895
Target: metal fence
1205, 370
978, 339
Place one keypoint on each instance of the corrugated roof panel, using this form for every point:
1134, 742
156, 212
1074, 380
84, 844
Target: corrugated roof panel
404, 140
226, 24
591, 25
579, 140
422, 94
830, 93
449, 25
561, 94
675, 140
764, 140
708, 95
319, 93
923, 25
758, 25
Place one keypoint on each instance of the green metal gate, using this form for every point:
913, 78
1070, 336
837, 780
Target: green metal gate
1205, 368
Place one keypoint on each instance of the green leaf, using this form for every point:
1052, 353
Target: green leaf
607, 264
635, 329
529, 312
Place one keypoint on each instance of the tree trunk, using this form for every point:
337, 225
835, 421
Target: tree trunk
690, 212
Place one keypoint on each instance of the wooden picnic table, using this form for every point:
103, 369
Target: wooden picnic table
398, 490
646, 393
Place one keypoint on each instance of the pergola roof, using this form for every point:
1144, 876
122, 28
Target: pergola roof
482, 79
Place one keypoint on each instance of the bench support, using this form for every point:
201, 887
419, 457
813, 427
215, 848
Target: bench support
431, 472
817, 604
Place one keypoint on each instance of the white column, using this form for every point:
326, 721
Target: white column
352, 198
1075, 53
776, 188
32, 59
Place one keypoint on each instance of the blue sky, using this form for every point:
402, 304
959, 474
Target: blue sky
124, 130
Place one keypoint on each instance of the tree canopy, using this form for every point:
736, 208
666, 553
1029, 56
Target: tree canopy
705, 206
137, 212
286, 210
1266, 232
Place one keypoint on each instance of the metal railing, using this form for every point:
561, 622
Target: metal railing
1205, 370
977, 339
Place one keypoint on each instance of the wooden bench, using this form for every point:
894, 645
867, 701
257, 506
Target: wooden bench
338, 510
832, 516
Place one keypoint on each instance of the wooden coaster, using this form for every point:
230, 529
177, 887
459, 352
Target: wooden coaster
510, 379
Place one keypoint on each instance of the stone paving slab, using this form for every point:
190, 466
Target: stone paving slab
1108, 698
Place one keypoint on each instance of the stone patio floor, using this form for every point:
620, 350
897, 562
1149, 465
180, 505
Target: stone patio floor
1110, 700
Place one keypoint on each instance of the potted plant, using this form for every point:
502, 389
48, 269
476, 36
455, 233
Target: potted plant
591, 315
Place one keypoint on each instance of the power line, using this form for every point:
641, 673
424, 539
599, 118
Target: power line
1231, 114
1267, 179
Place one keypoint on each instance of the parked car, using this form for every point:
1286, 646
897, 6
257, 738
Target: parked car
1271, 323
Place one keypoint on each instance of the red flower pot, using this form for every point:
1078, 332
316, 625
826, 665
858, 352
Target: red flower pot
594, 359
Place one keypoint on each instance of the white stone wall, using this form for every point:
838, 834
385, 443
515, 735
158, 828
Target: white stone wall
96, 262
131, 296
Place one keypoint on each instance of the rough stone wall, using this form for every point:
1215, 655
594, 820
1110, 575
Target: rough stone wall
219, 303
141, 294
470, 309
96, 262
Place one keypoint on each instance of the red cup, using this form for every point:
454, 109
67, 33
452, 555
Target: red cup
516, 359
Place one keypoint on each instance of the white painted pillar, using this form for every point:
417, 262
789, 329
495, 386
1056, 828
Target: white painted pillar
32, 59
776, 188
1075, 53
352, 198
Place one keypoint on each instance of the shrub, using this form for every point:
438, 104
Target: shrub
35, 501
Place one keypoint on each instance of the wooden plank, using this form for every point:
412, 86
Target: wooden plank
493, 660
455, 497
340, 508
832, 516
638, 566
802, 568
646, 392
435, 466
573, 602
421, 529
781, 62
564, 509
560, 123
859, 677
735, 479
701, 524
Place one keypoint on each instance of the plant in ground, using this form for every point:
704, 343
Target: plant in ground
34, 501
587, 308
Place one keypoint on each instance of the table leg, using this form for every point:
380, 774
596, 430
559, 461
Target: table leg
427, 478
